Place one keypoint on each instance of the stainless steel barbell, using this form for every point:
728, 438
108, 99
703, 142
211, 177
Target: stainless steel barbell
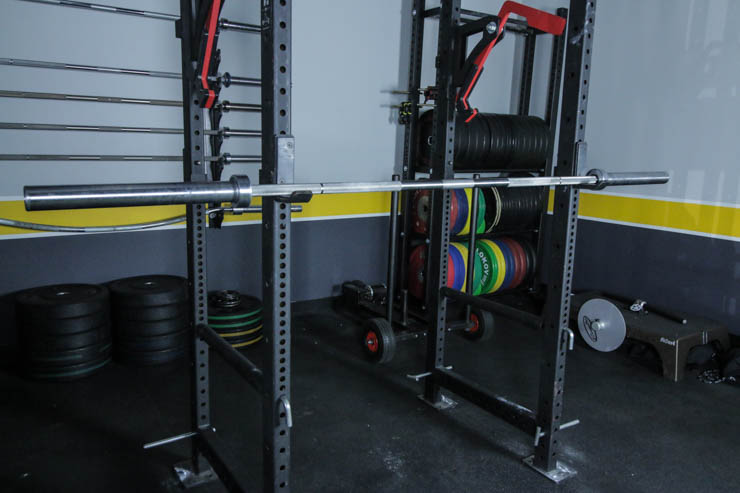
239, 190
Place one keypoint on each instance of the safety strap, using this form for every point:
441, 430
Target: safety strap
212, 26
537, 19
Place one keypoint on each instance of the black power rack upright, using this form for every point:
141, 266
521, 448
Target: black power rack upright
201, 85
555, 252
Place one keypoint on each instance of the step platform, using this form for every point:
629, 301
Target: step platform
671, 339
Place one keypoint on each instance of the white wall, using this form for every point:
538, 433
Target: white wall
664, 95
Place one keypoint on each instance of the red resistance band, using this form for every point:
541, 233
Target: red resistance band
212, 23
537, 19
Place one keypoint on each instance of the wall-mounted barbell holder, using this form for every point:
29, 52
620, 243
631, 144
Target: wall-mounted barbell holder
226, 79
239, 191
222, 23
224, 106
223, 132
226, 158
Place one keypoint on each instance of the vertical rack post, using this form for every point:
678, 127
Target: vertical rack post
195, 170
277, 167
571, 150
409, 138
470, 273
525, 89
392, 253
551, 118
443, 136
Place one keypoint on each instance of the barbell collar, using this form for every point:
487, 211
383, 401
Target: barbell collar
242, 191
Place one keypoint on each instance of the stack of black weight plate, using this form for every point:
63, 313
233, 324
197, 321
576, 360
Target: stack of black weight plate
64, 330
150, 319
236, 317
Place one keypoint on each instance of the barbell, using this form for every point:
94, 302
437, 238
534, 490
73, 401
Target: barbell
239, 190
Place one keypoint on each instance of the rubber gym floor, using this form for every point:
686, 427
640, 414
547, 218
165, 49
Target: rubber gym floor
359, 427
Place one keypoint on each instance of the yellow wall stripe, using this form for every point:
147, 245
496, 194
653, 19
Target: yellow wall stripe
705, 219
697, 218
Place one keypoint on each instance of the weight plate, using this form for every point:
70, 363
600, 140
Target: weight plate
463, 249
38, 323
508, 262
519, 261
142, 328
490, 215
462, 213
144, 291
477, 267
459, 272
483, 268
230, 328
234, 341
454, 213
150, 313
420, 210
32, 341
468, 210
490, 258
248, 307
42, 359
531, 258
71, 372
62, 301
248, 333
481, 214
416, 281
247, 343
154, 343
500, 265
601, 324
147, 358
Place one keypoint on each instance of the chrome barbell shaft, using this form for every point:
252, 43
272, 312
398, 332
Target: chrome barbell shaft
18, 62
223, 23
227, 158
226, 132
225, 105
239, 190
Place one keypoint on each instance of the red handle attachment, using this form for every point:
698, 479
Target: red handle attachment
537, 19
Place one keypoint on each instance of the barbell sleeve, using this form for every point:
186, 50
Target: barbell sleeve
239, 191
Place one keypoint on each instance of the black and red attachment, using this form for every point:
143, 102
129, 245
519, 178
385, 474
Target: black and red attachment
209, 55
474, 63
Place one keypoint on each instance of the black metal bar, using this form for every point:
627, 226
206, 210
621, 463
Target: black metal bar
409, 138
470, 274
194, 170
494, 307
226, 132
392, 251
509, 411
561, 250
237, 360
223, 23
277, 167
525, 89
17, 62
443, 136
551, 117
230, 471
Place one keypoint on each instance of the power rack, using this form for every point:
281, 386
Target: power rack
200, 60
555, 251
